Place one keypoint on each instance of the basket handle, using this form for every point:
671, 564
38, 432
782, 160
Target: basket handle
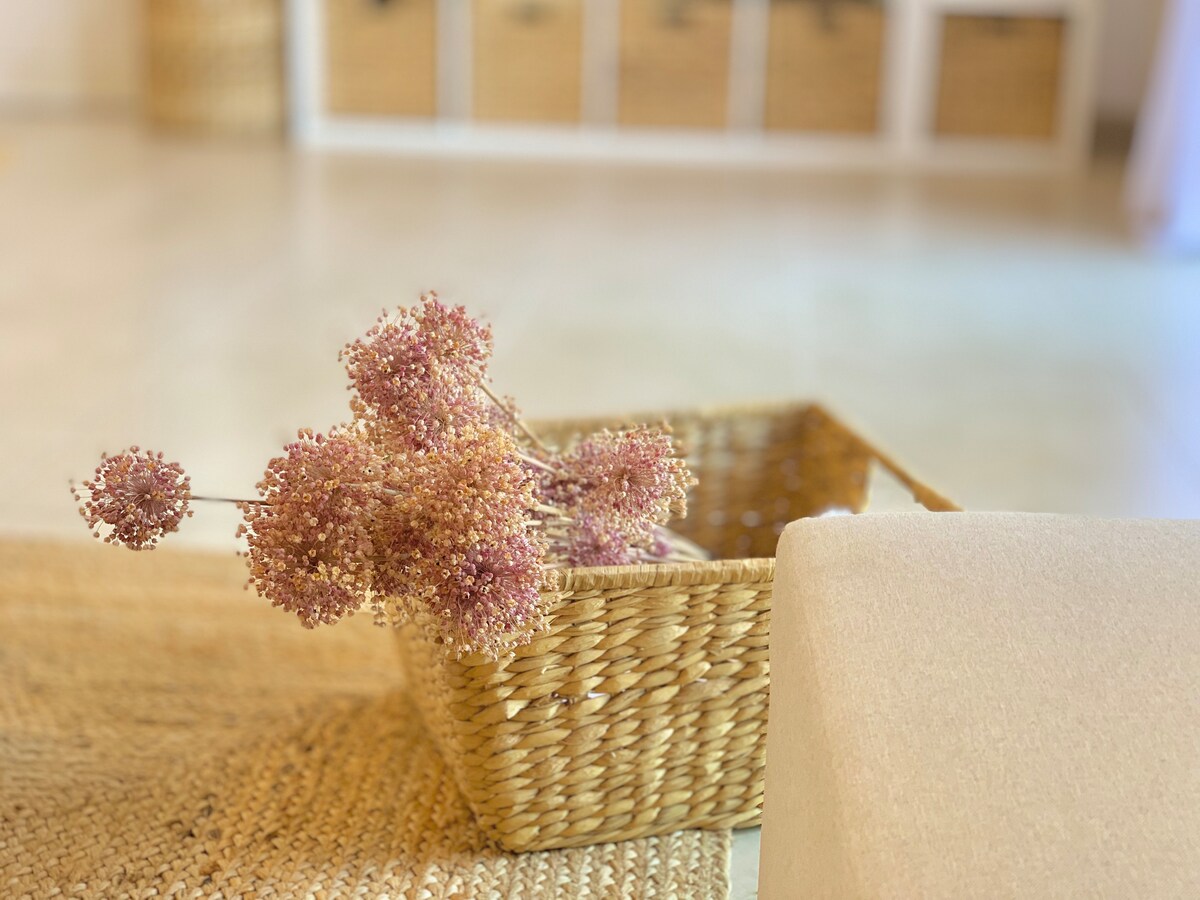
922, 493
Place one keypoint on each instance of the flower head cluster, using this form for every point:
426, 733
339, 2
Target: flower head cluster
137, 495
618, 488
417, 374
594, 541
489, 599
310, 535
437, 501
631, 473
456, 538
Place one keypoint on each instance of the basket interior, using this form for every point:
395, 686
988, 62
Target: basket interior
758, 469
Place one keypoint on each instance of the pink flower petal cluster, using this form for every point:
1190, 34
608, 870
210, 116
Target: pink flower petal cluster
618, 489
458, 521
416, 374
489, 600
593, 541
309, 538
438, 501
137, 495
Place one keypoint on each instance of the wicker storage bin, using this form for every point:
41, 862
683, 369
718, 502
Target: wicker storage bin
527, 61
674, 62
999, 76
643, 708
824, 65
381, 57
215, 66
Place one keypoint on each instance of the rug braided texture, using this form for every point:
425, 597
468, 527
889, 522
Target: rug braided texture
164, 733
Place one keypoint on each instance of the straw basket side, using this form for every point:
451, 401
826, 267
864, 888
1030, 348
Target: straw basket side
1000, 76
215, 66
824, 66
642, 709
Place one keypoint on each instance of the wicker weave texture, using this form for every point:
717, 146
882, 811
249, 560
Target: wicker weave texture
165, 734
643, 708
527, 64
381, 58
215, 66
674, 63
824, 66
1000, 76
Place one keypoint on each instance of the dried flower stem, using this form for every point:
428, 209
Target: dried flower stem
512, 417
228, 500
537, 463
690, 550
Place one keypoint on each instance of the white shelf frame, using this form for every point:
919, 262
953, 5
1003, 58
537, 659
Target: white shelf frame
905, 139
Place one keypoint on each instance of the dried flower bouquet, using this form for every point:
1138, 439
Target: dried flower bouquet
436, 496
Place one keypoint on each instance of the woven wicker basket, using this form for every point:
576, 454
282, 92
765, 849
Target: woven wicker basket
674, 63
381, 57
215, 66
1000, 76
528, 60
643, 708
825, 65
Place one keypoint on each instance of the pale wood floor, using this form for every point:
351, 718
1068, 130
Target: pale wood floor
1003, 336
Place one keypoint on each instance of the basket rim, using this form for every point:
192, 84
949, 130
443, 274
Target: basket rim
932, 500
753, 570
705, 411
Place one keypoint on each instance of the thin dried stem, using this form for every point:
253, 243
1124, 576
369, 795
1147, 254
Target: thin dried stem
512, 417
229, 500
537, 463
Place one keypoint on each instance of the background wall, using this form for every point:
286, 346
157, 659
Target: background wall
84, 52
1130, 34
68, 53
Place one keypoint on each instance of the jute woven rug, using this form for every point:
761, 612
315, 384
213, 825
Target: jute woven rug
165, 734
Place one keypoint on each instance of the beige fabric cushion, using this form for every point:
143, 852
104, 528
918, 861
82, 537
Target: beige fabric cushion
971, 705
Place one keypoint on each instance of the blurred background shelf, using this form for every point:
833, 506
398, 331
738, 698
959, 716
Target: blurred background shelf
527, 60
1000, 76
215, 66
992, 84
825, 66
380, 57
675, 63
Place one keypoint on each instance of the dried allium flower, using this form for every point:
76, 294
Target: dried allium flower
310, 537
467, 505
438, 500
612, 493
633, 475
138, 494
417, 374
591, 541
490, 601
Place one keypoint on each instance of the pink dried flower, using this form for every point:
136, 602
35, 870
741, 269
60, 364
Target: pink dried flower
438, 500
612, 493
417, 373
490, 600
138, 494
446, 511
472, 489
631, 475
310, 537
591, 541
